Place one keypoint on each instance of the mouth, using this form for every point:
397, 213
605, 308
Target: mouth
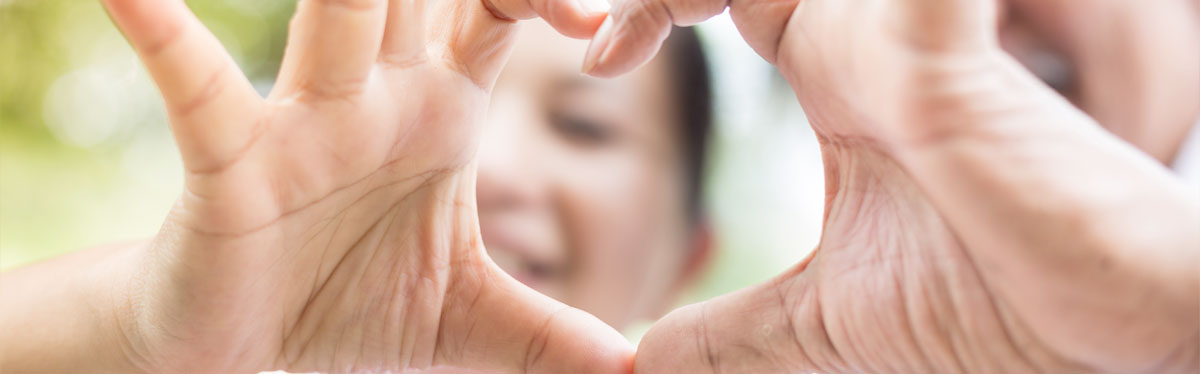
527, 263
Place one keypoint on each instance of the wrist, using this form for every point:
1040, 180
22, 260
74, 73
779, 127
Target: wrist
71, 314
125, 307
110, 290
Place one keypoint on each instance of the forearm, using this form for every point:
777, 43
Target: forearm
1050, 198
64, 315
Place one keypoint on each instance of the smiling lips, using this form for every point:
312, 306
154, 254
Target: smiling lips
521, 256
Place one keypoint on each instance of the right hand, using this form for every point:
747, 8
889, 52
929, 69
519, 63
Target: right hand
975, 221
332, 225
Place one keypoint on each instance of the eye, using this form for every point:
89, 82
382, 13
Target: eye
581, 130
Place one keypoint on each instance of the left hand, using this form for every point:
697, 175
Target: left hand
330, 226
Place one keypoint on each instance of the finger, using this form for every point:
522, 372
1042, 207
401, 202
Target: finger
332, 46
404, 38
573, 18
495, 324
953, 26
207, 96
636, 29
772, 328
477, 35
1053, 15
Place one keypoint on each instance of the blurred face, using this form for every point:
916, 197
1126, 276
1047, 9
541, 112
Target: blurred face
1132, 65
581, 181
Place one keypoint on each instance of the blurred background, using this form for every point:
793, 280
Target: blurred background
86, 156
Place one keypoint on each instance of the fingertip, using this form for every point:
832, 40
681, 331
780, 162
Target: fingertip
598, 46
572, 18
117, 8
512, 328
147, 25
577, 23
671, 345
606, 352
628, 38
622, 52
599, 7
607, 69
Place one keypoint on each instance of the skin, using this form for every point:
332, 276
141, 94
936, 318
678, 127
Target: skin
958, 237
975, 222
1129, 65
581, 184
331, 226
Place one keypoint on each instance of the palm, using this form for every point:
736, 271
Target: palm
924, 266
313, 157
331, 212
958, 281
331, 226
898, 290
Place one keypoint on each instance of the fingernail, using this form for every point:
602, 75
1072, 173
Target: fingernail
599, 45
595, 6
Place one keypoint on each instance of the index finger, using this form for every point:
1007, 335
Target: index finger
573, 18
477, 34
205, 92
635, 30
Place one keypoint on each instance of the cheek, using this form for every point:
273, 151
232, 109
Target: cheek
625, 252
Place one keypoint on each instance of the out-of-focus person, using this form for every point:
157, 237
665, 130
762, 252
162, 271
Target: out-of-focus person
590, 189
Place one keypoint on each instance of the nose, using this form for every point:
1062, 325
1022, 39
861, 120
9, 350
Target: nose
507, 180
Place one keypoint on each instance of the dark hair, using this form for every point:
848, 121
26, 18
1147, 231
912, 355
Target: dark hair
693, 90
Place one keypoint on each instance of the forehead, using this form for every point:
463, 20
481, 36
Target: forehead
546, 65
542, 54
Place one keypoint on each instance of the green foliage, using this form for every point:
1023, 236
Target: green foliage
85, 153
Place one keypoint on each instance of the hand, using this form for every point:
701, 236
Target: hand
332, 225
975, 221
1129, 64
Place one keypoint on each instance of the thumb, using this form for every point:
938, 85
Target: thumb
776, 327
952, 25
478, 35
634, 31
495, 324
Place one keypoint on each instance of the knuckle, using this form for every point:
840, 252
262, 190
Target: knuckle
207, 92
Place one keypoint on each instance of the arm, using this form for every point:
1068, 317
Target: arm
68, 314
